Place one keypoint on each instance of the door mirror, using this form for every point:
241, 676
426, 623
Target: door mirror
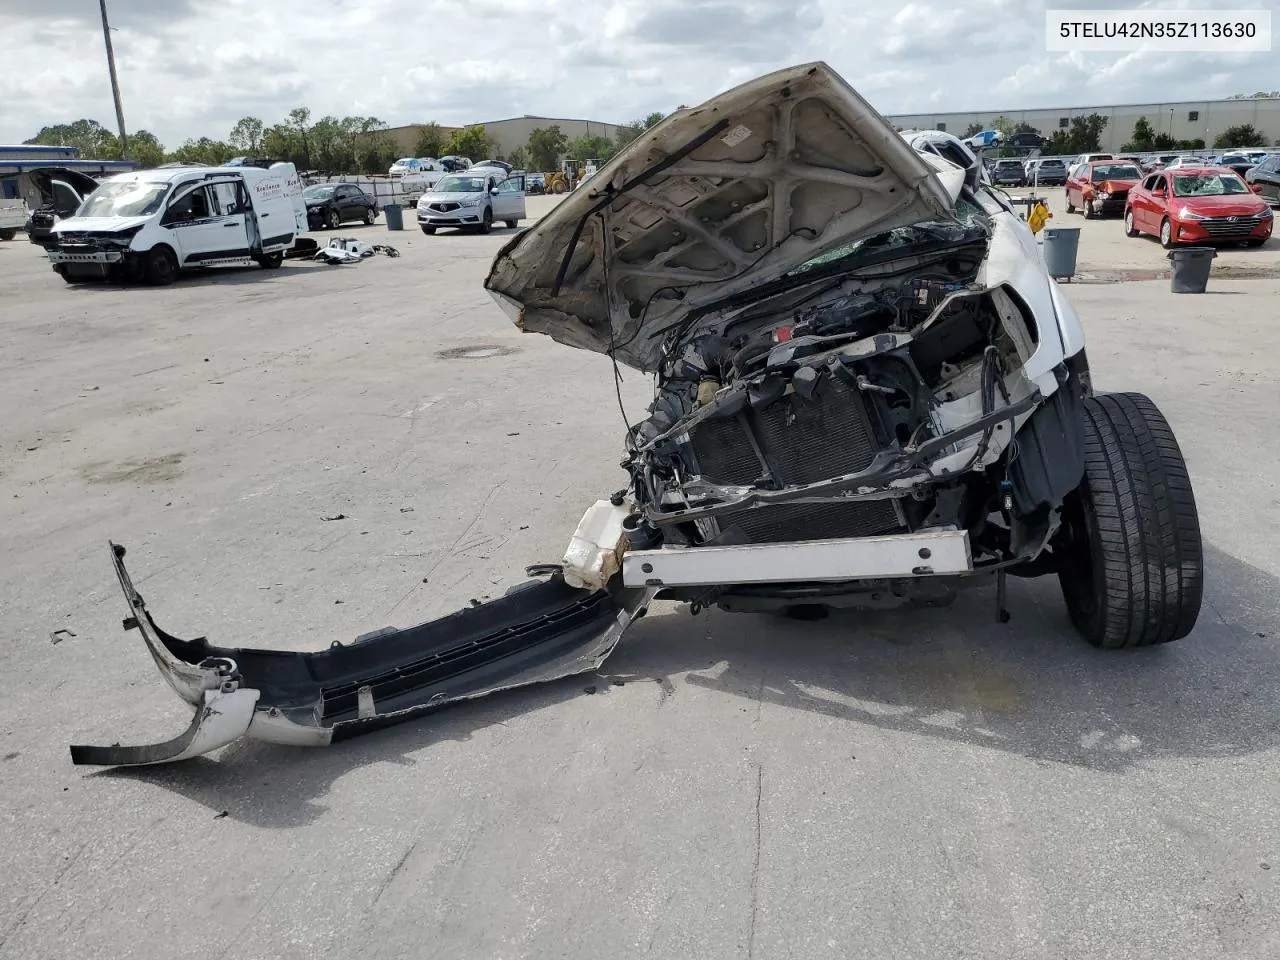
1255, 187
493, 191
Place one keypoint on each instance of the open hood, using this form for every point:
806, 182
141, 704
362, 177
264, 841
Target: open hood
710, 202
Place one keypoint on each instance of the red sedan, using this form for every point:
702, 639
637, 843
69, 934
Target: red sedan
1100, 186
1198, 205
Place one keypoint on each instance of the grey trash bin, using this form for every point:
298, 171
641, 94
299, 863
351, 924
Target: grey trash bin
1060, 246
395, 216
1191, 267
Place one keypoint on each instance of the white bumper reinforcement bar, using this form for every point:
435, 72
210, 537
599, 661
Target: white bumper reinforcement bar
933, 553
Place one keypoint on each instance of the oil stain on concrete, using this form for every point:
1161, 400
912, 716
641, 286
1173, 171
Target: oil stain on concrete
155, 470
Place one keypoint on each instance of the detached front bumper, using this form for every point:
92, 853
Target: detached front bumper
540, 631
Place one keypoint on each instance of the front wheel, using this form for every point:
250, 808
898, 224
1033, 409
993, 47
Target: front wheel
512, 224
332, 220
1255, 242
486, 221
1130, 228
1071, 207
370, 216
1089, 211
1166, 233
161, 267
8, 234
429, 231
270, 261
1130, 558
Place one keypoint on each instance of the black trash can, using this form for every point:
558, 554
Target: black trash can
1191, 267
395, 216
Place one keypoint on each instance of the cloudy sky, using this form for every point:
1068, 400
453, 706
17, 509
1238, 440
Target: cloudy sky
193, 67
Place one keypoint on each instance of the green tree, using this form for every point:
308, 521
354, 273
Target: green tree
246, 135
146, 149
472, 142
1058, 145
1162, 141
1085, 133
203, 151
1143, 138
517, 158
971, 130
92, 139
281, 142
628, 132
653, 119
373, 151
430, 141
1242, 135
300, 120
546, 147
590, 148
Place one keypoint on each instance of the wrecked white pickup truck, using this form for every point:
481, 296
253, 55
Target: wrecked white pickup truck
868, 393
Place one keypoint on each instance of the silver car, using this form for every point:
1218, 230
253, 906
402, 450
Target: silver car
473, 199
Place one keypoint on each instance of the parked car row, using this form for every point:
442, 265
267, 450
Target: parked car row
1183, 203
425, 164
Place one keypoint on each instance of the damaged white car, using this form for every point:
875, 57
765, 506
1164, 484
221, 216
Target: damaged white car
868, 392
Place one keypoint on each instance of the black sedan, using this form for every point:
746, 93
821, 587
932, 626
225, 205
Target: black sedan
331, 204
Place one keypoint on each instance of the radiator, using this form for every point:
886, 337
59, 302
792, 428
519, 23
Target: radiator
806, 441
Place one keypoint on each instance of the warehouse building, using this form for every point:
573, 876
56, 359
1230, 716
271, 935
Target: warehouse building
1183, 119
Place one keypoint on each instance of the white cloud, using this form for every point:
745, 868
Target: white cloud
193, 67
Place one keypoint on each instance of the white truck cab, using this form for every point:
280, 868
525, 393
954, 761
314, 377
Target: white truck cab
151, 224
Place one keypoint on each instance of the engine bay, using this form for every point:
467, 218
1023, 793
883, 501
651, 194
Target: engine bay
818, 412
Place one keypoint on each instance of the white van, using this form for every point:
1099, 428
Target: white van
150, 224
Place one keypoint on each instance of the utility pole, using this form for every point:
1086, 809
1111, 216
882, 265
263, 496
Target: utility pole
115, 84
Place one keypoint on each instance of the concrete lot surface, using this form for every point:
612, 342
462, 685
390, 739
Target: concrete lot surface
922, 784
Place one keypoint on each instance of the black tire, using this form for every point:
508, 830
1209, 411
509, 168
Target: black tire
370, 216
161, 267
429, 231
512, 224
1166, 234
1130, 230
1070, 206
1130, 558
8, 234
1255, 242
1089, 211
67, 276
486, 221
332, 220
270, 261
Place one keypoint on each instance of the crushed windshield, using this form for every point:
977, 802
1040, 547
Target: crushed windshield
970, 224
125, 198
460, 185
318, 193
1116, 171
1208, 185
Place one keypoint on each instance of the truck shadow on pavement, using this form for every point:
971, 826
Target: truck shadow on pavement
1031, 687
